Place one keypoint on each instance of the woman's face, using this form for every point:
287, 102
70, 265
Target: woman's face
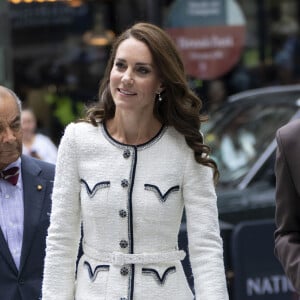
28, 123
134, 80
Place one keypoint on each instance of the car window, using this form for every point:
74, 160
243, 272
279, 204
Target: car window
266, 172
238, 135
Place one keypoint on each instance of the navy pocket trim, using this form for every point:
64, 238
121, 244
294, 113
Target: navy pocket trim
93, 274
97, 186
162, 197
155, 274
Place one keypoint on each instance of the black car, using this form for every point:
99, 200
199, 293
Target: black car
242, 137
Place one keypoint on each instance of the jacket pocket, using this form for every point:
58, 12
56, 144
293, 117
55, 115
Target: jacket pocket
94, 198
91, 191
91, 279
93, 272
159, 278
161, 195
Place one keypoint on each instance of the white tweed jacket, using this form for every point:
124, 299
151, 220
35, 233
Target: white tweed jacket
130, 201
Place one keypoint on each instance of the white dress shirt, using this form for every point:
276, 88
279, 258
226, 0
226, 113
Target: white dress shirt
12, 214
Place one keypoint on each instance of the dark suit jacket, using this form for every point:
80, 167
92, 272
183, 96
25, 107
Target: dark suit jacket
25, 284
287, 168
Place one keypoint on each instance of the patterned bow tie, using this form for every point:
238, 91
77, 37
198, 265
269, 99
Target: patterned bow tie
11, 175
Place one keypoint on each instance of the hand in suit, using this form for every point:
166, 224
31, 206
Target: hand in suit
287, 217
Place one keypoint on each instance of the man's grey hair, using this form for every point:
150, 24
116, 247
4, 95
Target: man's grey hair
14, 95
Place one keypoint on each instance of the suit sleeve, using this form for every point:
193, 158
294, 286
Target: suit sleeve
64, 230
205, 242
287, 216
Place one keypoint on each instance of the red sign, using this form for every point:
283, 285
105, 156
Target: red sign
209, 52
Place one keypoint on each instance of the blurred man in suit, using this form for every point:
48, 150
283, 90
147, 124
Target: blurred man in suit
25, 204
287, 169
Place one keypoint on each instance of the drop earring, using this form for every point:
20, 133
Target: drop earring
159, 97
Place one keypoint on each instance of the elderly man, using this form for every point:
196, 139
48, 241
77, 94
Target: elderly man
25, 204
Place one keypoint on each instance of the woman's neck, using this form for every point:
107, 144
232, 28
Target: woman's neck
133, 131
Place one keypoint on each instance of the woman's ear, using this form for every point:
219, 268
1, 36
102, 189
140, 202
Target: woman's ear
161, 89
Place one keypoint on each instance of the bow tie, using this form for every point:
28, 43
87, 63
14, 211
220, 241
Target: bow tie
11, 175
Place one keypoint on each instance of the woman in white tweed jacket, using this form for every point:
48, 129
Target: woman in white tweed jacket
126, 172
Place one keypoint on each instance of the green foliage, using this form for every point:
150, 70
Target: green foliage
64, 109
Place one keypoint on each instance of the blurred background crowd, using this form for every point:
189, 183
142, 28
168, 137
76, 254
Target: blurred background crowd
53, 53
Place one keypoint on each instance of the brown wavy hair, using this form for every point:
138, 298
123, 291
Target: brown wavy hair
180, 106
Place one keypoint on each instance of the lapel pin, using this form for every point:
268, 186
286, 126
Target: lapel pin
39, 187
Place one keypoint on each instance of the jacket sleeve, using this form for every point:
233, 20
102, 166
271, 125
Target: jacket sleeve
287, 216
64, 230
205, 243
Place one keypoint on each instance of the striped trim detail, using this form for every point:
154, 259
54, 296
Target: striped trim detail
162, 197
97, 186
93, 274
155, 274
